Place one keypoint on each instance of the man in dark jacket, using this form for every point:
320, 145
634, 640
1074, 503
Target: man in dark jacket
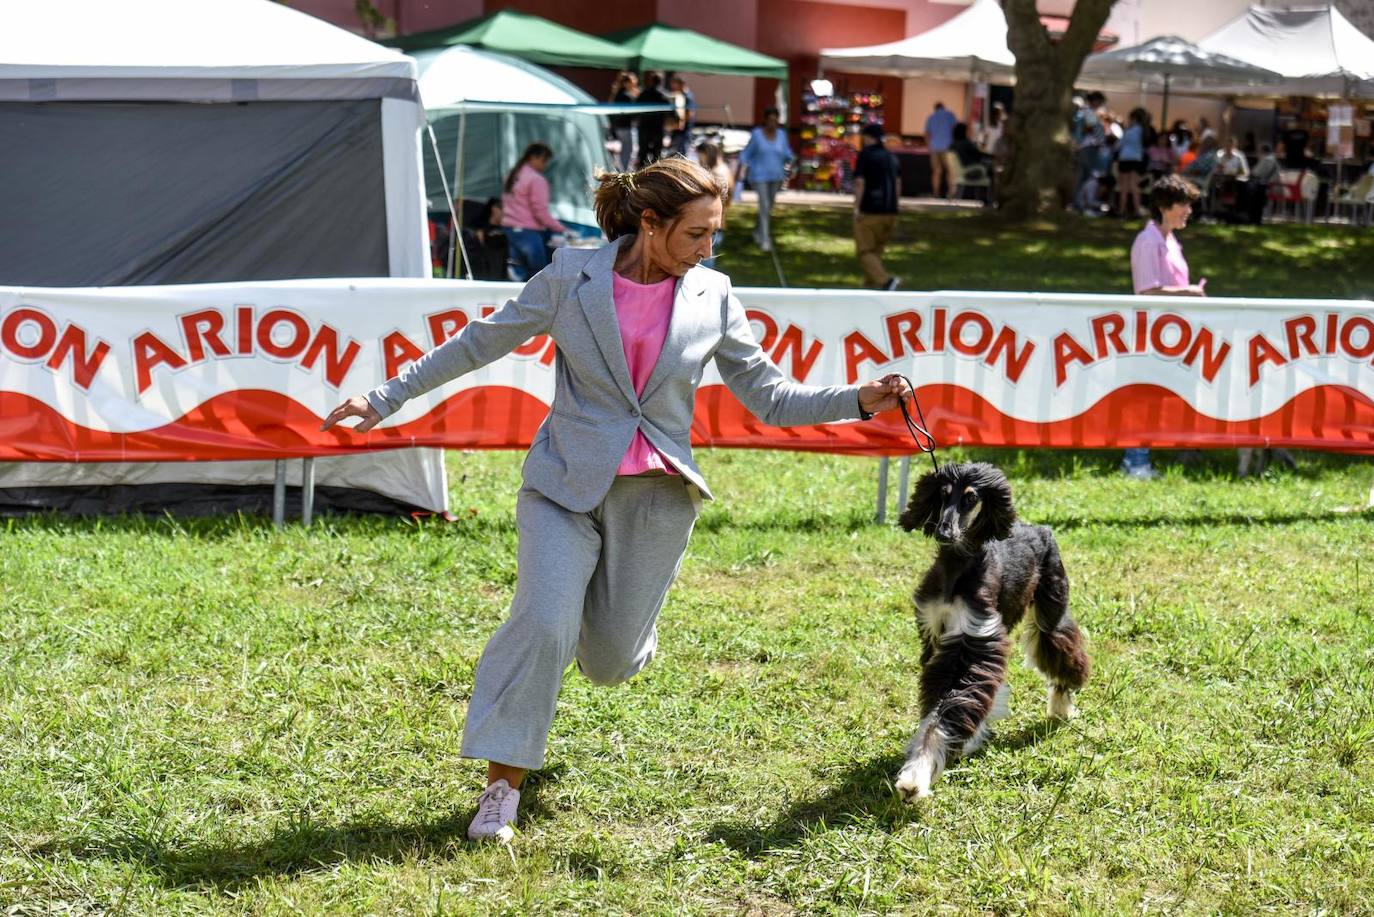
875, 206
651, 122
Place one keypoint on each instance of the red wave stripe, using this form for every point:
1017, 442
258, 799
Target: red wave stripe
1333, 418
256, 424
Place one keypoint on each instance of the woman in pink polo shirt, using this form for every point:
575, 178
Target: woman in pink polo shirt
526, 206
1158, 269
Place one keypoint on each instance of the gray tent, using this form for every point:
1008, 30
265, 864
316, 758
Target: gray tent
159, 141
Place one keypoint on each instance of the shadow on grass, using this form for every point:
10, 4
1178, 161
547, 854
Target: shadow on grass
1208, 520
297, 848
1026, 736
241, 524
865, 793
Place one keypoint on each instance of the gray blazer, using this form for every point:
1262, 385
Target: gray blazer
595, 411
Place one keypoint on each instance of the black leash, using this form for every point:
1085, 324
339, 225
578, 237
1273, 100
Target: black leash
920, 432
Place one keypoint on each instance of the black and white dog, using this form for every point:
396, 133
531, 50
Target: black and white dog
988, 571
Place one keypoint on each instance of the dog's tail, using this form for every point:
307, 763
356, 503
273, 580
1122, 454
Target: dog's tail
1054, 644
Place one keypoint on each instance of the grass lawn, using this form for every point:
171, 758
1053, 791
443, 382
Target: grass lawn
974, 250
213, 717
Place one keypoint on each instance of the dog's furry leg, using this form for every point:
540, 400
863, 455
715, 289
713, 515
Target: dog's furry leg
958, 689
1054, 644
999, 711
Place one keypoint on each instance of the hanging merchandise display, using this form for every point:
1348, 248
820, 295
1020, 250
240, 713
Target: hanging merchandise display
831, 137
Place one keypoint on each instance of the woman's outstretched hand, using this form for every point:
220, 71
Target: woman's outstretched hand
885, 394
357, 406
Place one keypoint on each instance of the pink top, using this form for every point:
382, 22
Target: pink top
643, 311
526, 206
1157, 260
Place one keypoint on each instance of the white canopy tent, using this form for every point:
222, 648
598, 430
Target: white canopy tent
161, 141
1170, 63
1318, 51
970, 47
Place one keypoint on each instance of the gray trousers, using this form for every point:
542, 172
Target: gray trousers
589, 587
629, 146
768, 193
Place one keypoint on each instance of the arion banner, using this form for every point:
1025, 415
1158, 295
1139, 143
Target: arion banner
246, 371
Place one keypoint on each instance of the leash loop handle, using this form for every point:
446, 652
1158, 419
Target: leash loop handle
918, 428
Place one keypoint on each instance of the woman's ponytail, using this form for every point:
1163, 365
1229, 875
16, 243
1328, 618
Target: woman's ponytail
664, 188
615, 211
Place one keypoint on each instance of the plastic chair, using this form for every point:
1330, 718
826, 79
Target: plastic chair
974, 176
1357, 197
1286, 191
1308, 188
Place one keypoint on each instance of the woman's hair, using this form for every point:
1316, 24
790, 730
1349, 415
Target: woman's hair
664, 188
1168, 191
483, 217
533, 151
709, 153
770, 110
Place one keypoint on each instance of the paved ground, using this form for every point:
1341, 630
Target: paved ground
846, 201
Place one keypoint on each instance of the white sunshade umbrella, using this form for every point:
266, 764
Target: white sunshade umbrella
1172, 62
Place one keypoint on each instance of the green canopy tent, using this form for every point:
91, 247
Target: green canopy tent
521, 35
664, 47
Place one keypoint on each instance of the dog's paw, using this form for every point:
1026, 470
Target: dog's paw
913, 782
1061, 705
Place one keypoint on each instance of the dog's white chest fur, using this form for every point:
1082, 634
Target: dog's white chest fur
948, 620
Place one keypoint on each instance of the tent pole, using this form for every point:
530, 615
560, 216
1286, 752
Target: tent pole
307, 491
880, 516
459, 167
448, 196
1340, 153
1164, 114
279, 494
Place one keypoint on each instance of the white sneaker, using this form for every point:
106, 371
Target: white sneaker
495, 818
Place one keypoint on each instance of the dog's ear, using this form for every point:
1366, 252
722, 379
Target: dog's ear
923, 510
998, 513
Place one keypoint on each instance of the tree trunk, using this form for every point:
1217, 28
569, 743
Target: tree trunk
1039, 177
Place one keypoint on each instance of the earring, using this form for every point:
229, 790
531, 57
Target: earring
651, 232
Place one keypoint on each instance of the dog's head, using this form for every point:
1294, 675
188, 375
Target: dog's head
965, 504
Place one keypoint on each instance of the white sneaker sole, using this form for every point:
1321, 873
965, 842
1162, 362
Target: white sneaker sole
505, 835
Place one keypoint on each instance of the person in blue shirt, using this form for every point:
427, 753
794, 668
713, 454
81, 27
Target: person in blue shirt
1089, 136
685, 103
766, 162
1130, 163
939, 138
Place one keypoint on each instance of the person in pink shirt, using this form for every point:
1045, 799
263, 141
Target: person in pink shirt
526, 206
1159, 269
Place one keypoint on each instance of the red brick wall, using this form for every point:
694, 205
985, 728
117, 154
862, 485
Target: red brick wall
596, 17
796, 30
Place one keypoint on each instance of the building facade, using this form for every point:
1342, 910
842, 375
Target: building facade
796, 31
